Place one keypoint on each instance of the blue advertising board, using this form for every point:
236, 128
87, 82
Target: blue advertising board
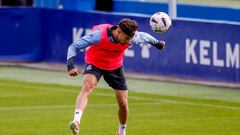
183, 10
227, 12
20, 35
195, 49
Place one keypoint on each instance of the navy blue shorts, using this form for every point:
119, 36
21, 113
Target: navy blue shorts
114, 78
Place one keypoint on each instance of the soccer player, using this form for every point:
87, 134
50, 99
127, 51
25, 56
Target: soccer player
104, 57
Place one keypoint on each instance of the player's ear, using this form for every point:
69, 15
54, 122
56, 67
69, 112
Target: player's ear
118, 30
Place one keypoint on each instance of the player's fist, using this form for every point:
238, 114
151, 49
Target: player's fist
161, 42
73, 72
160, 45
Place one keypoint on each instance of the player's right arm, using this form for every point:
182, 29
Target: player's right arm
84, 42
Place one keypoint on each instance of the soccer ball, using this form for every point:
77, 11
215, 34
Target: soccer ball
160, 22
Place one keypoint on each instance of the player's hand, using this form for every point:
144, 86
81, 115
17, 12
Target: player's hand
73, 72
160, 45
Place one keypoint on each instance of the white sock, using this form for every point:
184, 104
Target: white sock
77, 115
122, 129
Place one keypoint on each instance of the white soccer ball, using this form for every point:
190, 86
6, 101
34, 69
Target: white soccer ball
160, 22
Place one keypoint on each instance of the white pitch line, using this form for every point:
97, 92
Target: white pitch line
177, 102
49, 107
63, 106
41, 88
34, 107
132, 97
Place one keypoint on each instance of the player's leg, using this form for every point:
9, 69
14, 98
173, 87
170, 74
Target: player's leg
117, 80
89, 82
90, 79
122, 100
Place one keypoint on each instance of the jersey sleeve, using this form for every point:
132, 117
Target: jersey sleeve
92, 38
143, 37
84, 42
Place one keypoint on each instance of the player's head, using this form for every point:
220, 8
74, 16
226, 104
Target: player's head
126, 30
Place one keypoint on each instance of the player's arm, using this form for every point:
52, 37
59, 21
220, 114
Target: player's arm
143, 37
84, 42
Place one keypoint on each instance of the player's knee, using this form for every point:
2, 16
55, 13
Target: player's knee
87, 87
123, 106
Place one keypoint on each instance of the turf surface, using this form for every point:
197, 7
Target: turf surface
28, 108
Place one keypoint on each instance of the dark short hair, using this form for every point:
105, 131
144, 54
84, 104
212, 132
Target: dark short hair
128, 26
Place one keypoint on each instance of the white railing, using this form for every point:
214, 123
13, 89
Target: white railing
172, 8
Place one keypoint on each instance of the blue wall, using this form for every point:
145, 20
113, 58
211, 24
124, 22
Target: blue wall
20, 35
77, 5
183, 10
196, 50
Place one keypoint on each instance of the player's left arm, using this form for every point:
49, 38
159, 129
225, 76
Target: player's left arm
92, 38
143, 37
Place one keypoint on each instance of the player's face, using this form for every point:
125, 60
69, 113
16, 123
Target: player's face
123, 38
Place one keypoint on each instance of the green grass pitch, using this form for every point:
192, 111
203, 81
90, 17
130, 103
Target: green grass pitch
28, 108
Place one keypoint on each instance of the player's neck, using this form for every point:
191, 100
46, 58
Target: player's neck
114, 34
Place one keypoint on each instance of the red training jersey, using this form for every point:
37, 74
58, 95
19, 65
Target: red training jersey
105, 55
